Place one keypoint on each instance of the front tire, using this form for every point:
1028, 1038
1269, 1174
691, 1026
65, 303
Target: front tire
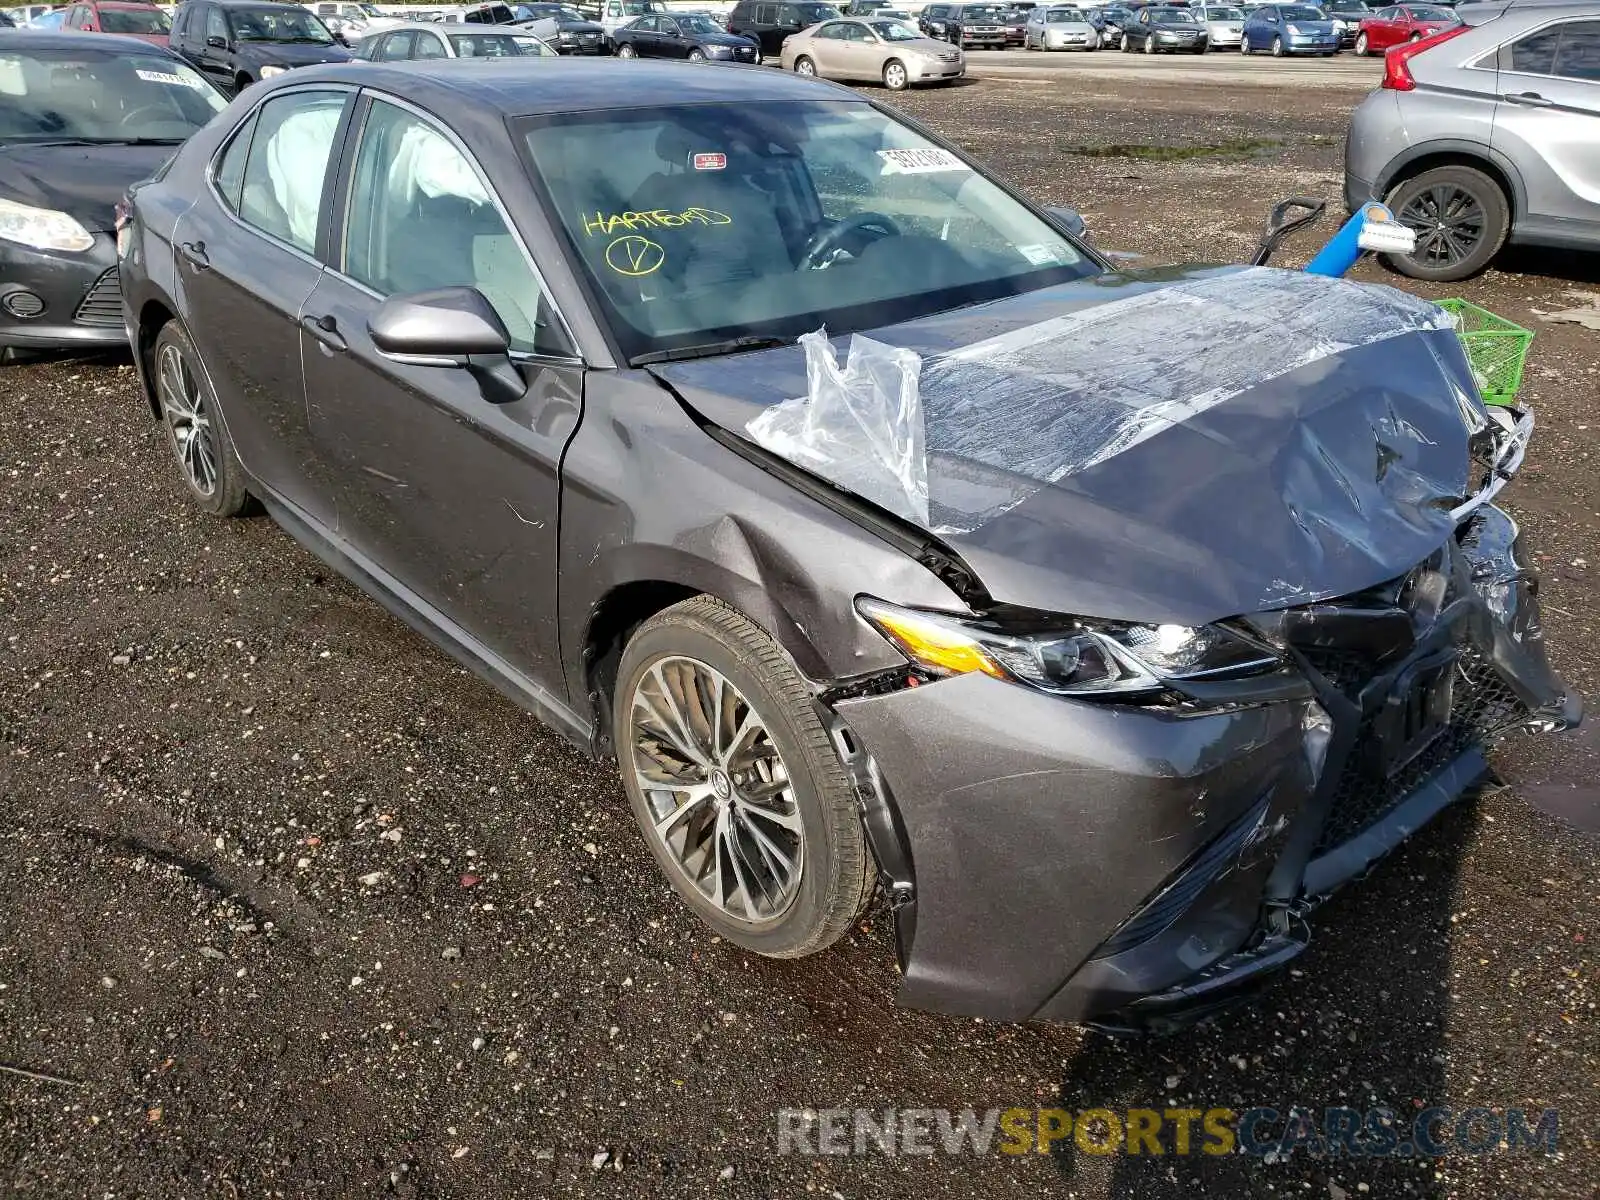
697, 55
895, 76
626, 50
1277, 47
804, 66
1362, 45
1461, 219
1149, 45
196, 435
735, 784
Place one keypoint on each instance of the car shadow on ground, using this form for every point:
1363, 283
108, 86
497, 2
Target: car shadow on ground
1357, 1024
1563, 265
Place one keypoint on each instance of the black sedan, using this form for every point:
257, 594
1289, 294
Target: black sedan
1156, 30
863, 517
82, 116
682, 35
563, 28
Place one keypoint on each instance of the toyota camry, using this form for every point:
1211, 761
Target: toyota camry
871, 523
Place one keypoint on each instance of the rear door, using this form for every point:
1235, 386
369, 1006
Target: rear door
247, 259
451, 495
1548, 124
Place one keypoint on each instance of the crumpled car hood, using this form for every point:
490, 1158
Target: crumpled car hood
85, 182
1176, 447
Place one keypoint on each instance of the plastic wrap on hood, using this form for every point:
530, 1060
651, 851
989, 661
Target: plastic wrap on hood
1044, 402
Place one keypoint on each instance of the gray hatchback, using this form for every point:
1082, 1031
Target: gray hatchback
1485, 133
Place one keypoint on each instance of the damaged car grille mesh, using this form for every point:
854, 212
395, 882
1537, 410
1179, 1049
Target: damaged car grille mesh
1484, 705
102, 304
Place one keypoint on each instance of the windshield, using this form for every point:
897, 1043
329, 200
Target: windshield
134, 20
1061, 16
277, 25
1179, 15
101, 95
983, 12
1292, 12
893, 31
812, 13
637, 8
697, 223
1224, 14
695, 23
487, 45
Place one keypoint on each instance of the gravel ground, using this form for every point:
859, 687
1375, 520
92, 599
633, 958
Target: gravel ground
295, 907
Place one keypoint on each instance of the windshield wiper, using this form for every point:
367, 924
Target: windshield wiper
91, 141
707, 350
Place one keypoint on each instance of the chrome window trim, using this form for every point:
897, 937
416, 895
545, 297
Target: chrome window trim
346, 89
427, 118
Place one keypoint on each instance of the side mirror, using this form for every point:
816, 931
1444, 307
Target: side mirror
449, 327
1068, 219
217, 43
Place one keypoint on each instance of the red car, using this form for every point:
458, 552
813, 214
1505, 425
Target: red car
143, 21
1402, 23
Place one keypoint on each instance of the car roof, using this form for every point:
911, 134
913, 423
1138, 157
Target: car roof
508, 87
13, 39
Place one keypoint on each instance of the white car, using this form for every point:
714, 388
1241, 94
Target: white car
28, 13
1224, 24
1055, 27
354, 18
614, 14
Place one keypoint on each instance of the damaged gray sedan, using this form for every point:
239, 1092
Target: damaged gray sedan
866, 517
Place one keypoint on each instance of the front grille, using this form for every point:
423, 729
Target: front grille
1483, 705
102, 304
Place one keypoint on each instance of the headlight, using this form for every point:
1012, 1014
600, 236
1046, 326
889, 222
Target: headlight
269, 71
937, 26
42, 228
563, 35
718, 51
1076, 658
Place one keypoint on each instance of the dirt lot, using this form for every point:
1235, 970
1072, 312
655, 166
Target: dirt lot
244, 808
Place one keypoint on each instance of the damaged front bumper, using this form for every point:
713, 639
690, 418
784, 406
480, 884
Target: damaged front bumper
1140, 866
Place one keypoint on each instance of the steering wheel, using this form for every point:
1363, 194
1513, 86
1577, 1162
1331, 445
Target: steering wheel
828, 239
157, 109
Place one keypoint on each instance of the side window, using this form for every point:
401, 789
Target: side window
429, 45
216, 24
1536, 53
668, 26
179, 20
788, 14
645, 24
420, 217
229, 171
396, 47
1579, 56
283, 177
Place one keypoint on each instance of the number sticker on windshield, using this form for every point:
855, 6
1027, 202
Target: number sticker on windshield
165, 77
920, 162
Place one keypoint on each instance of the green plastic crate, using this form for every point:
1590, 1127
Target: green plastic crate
1495, 347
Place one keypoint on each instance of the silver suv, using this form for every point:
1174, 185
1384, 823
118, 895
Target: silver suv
1484, 133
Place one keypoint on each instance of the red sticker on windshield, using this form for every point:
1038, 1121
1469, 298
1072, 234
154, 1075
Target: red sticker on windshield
710, 161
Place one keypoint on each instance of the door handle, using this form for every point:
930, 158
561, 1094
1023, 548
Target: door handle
326, 330
195, 252
1528, 99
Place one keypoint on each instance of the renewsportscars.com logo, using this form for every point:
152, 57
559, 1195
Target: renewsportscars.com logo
1265, 1133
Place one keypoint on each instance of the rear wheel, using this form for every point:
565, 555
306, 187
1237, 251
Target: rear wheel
804, 66
735, 784
1461, 219
199, 440
895, 77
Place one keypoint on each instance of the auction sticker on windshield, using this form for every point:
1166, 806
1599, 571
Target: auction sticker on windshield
710, 161
920, 162
165, 77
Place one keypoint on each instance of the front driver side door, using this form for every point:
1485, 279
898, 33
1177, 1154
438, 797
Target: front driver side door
449, 496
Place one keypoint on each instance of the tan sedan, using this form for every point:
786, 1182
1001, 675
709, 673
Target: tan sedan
882, 49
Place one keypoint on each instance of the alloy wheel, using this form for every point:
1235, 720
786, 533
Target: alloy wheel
1448, 221
696, 56
717, 789
805, 66
1277, 47
184, 407
1361, 45
626, 51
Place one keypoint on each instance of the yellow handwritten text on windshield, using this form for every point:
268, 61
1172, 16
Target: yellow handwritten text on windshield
606, 224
